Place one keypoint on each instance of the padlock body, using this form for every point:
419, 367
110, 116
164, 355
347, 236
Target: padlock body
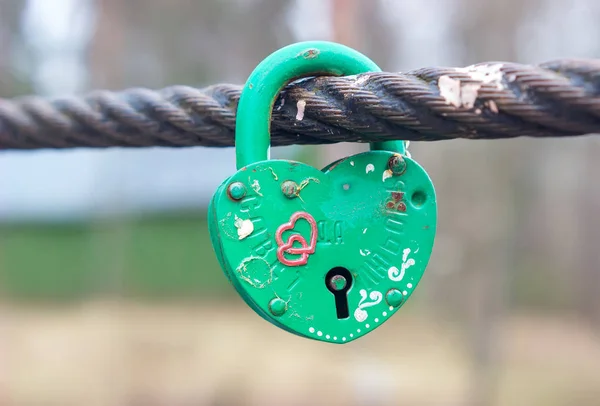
279, 228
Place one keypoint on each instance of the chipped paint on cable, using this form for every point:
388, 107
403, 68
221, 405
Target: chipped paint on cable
460, 93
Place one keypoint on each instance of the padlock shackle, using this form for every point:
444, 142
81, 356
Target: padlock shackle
303, 59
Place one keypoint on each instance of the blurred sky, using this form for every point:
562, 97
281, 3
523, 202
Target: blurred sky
78, 183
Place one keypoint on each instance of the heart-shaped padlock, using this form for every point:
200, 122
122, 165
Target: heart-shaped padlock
332, 254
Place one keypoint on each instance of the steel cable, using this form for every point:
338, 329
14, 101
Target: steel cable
483, 101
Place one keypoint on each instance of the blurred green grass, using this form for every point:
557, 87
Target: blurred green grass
159, 256
154, 256
169, 256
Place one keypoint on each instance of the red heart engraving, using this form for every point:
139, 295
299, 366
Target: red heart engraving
287, 247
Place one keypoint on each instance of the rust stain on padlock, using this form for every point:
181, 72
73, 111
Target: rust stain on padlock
397, 196
396, 203
396, 165
311, 53
291, 189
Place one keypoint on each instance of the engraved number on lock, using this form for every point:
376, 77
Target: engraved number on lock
339, 281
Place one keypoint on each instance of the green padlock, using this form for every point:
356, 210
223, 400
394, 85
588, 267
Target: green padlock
332, 254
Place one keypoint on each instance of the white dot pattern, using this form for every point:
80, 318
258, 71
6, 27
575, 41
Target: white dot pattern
335, 338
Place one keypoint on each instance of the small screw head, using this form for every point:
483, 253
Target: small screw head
277, 307
338, 282
236, 190
289, 189
394, 297
397, 164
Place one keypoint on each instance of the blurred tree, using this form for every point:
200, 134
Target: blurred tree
588, 267
586, 216
489, 32
107, 52
378, 35
157, 43
14, 79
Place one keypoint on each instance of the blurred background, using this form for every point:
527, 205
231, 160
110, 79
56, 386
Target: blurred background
110, 293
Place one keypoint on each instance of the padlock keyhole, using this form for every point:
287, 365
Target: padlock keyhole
339, 281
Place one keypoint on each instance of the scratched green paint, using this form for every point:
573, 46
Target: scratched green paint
358, 214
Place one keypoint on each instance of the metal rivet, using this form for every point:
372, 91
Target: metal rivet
397, 164
394, 297
338, 282
277, 307
236, 190
289, 189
